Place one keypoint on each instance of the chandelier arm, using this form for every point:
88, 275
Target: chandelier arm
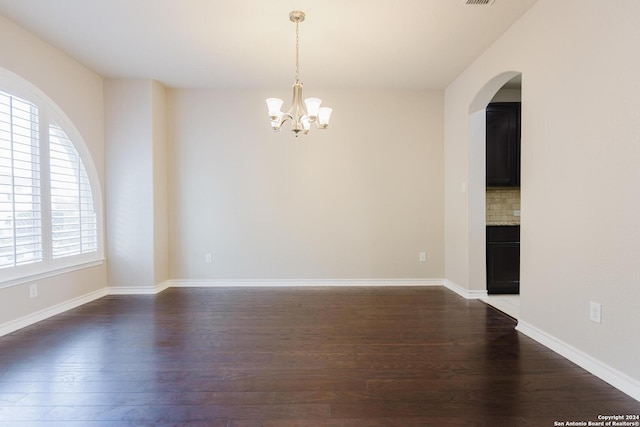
297, 110
285, 116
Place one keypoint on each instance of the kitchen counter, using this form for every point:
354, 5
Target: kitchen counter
491, 224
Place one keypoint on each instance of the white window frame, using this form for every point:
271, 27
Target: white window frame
50, 113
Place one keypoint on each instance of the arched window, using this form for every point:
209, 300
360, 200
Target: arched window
73, 216
49, 216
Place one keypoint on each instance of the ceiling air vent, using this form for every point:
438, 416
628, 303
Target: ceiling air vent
487, 2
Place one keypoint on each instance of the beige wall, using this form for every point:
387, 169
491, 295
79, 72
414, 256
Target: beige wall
357, 201
129, 195
137, 219
580, 146
78, 93
160, 184
507, 95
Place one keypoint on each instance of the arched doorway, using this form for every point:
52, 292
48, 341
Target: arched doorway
503, 87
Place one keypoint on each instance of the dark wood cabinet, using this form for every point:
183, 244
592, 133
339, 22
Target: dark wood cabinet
503, 144
503, 259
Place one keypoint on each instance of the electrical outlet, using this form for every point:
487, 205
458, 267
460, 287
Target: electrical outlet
208, 258
516, 212
422, 257
33, 290
595, 312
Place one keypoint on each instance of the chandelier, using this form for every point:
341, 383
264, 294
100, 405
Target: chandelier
301, 114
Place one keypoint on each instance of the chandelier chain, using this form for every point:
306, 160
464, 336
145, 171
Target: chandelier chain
297, 54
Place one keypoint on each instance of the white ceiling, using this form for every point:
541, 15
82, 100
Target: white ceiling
251, 43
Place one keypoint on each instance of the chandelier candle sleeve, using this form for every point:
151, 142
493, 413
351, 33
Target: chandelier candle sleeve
324, 114
275, 105
313, 105
301, 114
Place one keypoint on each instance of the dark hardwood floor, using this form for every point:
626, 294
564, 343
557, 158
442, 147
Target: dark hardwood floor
245, 357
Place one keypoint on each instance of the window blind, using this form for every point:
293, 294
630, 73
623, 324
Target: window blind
73, 217
20, 196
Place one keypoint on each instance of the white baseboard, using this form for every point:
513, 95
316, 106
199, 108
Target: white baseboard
619, 380
464, 292
305, 282
38, 316
138, 290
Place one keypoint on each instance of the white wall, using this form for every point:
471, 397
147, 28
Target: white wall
357, 201
580, 174
78, 92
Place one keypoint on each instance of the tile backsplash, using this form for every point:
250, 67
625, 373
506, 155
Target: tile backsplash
501, 202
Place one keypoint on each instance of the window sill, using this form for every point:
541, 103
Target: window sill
50, 273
